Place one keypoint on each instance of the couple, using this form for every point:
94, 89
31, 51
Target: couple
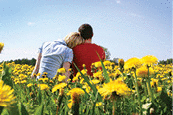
76, 48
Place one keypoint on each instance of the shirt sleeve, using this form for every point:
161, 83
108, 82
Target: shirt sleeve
68, 55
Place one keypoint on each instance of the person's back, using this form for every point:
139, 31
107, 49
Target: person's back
53, 56
56, 54
87, 54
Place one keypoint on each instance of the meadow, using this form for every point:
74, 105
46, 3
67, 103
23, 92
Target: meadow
135, 87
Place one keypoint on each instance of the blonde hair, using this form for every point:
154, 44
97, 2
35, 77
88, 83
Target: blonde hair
73, 39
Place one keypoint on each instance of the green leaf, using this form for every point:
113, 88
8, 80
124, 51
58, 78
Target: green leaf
92, 86
39, 96
39, 110
1, 108
6, 76
22, 109
5, 112
166, 99
105, 74
143, 99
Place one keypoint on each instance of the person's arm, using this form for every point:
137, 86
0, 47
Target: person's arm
37, 65
66, 65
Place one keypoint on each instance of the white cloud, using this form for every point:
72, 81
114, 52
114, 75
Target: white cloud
135, 15
31, 23
118, 1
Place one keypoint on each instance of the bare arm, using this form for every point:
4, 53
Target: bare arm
66, 65
37, 65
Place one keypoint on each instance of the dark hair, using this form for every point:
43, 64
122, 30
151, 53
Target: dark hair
86, 31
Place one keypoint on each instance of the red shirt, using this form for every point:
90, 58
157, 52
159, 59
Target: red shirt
86, 54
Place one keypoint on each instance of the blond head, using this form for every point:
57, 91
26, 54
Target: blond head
73, 39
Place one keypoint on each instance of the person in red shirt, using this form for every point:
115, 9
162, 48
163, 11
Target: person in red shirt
86, 53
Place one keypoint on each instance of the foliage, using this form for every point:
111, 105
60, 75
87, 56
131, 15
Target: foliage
107, 53
168, 61
23, 61
113, 89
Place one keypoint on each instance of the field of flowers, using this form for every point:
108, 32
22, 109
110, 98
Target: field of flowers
137, 86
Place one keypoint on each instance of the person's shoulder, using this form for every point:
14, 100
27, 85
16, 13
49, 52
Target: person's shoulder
67, 49
86, 45
96, 46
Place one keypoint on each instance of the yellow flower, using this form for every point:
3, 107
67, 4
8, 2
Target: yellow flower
61, 78
120, 62
61, 70
29, 85
169, 94
106, 63
45, 79
169, 81
51, 81
98, 64
68, 80
161, 76
99, 104
163, 79
78, 75
159, 89
45, 73
29, 73
84, 65
81, 81
75, 79
31, 93
117, 72
115, 87
112, 75
22, 76
41, 79
6, 94
1, 46
23, 81
108, 68
95, 81
43, 86
59, 86
132, 63
70, 103
75, 94
98, 75
143, 71
38, 74
84, 71
87, 88
149, 60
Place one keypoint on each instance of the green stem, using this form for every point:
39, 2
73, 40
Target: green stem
149, 87
75, 109
138, 95
145, 90
1, 108
113, 107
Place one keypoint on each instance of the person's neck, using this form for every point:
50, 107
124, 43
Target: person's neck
88, 41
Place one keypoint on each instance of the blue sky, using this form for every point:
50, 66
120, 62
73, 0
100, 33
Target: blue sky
128, 28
